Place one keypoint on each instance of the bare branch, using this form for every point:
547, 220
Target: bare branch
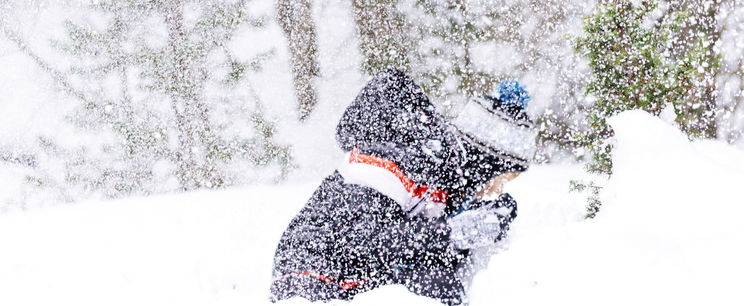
59, 78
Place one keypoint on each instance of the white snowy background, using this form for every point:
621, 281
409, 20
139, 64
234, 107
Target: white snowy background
669, 233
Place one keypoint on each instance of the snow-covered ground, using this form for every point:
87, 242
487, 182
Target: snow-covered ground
669, 233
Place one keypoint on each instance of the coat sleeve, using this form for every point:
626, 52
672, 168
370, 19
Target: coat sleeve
377, 227
421, 240
428, 264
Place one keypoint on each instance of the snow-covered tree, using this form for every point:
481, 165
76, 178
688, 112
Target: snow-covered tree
633, 68
640, 62
698, 33
157, 81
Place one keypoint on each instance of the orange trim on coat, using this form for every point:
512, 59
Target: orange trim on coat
345, 284
436, 195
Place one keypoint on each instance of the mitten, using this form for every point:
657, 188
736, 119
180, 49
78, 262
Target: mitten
485, 224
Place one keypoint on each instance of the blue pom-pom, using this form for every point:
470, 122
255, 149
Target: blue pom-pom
513, 93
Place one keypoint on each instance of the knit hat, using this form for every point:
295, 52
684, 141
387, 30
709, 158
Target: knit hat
498, 135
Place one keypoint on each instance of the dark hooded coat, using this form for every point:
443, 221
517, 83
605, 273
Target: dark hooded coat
351, 238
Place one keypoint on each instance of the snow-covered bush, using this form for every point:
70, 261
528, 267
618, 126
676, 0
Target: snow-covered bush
638, 62
633, 67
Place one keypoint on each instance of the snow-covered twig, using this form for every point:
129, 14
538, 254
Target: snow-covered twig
59, 78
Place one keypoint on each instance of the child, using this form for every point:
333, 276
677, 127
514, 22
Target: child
383, 217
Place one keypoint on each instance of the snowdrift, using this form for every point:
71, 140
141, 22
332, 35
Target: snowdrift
668, 233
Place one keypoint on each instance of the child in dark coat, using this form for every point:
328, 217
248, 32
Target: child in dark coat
399, 210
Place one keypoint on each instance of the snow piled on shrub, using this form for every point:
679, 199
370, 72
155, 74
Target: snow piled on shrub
668, 233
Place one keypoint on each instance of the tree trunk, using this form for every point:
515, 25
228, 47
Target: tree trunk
295, 18
382, 39
699, 116
709, 26
472, 84
196, 141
